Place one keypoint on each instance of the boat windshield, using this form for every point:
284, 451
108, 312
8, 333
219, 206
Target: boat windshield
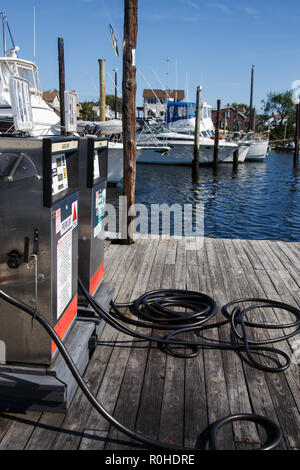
9, 68
27, 74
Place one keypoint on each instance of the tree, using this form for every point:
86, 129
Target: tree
86, 110
241, 106
110, 100
279, 104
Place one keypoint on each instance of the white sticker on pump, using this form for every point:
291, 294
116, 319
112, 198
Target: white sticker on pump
59, 173
100, 210
96, 165
64, 272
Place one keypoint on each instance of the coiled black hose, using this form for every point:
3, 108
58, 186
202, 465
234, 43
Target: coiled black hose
153, 310
274, 434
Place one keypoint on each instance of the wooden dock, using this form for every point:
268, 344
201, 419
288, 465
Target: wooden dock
173, 399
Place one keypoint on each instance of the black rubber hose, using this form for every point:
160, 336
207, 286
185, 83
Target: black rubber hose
274, 434
152, 305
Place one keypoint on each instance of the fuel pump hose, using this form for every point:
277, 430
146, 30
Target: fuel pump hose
151, 310
274, 434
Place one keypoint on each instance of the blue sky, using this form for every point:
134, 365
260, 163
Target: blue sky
209, 43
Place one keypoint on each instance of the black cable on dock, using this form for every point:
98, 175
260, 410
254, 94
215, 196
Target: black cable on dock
274, 434
155, 310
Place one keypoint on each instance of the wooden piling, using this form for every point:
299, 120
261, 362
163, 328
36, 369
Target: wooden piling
235, 159
217, 127
251, 100
197, 126
116, 93
128, 108
62, 84
102, 89
297, 136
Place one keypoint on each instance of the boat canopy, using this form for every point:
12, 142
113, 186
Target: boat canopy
180, 110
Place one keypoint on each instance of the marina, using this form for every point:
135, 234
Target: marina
259, 200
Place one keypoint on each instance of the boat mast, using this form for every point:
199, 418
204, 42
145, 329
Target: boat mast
3, 31
34, 36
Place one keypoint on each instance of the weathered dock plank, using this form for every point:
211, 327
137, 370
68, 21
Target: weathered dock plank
174, 399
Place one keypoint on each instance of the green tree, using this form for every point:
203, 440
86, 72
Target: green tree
110, 100
279, 104
282, 105
86, 110
241, 106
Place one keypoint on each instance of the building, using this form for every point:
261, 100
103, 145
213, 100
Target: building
155, 101
235, 121
52, 99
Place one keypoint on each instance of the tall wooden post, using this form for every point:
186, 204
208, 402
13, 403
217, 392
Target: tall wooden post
235, 159
116, 93
62, 84
251, 100
102, 89
217, 132
128, 107
297, 136
197, 126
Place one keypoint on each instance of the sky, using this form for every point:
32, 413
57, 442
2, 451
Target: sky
208, 43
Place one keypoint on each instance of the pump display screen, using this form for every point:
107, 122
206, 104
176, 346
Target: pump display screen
59, 174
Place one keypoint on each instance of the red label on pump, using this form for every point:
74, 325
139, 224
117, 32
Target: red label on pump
65, 321
96, 279
74, 214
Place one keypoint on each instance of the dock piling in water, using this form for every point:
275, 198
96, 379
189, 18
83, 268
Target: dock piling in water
235, 159
297, 136
197, 126
217, 127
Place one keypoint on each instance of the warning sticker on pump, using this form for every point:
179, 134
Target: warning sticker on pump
100, 210
65, 225
58, 221
64, 272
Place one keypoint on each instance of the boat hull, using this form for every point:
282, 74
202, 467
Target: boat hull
182, 154
258, 151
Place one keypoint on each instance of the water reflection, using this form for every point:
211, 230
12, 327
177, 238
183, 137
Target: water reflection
255, 201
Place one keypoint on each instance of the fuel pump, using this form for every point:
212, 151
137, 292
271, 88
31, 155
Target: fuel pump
92, 198
38, 242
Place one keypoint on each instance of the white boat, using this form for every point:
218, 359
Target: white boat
182, 147
258, 150
181, 117
113, 130
45, 119
115, 170
258, 145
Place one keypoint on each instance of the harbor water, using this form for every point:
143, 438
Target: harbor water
260, 200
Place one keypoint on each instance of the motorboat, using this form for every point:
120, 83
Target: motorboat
182, 147
181, 117
45, 120
258, 145
112, 129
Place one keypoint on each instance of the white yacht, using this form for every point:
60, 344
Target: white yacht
113, 131
181, 117
182, 147
45, 120
258, 147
